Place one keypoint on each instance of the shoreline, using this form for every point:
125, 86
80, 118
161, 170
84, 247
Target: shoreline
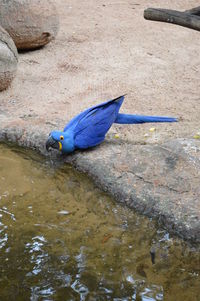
158, 181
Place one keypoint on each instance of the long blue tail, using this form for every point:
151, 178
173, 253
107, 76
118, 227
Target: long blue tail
131, 119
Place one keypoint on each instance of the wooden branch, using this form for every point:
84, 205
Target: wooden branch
172, 16
193, 11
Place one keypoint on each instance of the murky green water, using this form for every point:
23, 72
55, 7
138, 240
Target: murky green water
63, 239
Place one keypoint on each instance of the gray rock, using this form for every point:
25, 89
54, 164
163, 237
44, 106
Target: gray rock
31, 23
8, 59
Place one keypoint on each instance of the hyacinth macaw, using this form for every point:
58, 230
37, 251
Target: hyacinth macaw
89, 128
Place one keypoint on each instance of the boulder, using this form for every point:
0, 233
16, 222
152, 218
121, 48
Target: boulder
8, 59
30, 23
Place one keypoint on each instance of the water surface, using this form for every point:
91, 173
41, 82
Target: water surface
61, 238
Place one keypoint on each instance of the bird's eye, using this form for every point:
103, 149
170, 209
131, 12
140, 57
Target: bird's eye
61, 138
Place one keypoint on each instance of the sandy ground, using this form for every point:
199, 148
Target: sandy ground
105, 49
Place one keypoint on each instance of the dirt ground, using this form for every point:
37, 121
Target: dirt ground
105, 49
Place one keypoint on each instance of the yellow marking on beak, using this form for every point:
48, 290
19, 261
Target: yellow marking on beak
60, 145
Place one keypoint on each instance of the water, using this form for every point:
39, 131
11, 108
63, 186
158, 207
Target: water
61, 238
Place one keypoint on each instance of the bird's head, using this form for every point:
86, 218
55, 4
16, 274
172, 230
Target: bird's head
61, 141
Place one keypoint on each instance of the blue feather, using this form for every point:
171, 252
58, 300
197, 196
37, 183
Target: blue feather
134, 119
74, 121
93, 126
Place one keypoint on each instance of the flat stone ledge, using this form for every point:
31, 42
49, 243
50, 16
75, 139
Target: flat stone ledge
160, 181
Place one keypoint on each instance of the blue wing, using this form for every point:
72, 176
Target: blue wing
74, 121
93, 124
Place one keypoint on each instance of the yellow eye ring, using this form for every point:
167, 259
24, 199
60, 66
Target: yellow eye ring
61, 138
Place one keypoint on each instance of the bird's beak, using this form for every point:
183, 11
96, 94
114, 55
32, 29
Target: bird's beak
51, 143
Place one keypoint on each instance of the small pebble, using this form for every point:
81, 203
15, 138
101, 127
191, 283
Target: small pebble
152, 129
116, 136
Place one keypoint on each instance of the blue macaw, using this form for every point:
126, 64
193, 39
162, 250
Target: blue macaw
89, 128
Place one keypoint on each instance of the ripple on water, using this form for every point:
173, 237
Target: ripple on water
63, 239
